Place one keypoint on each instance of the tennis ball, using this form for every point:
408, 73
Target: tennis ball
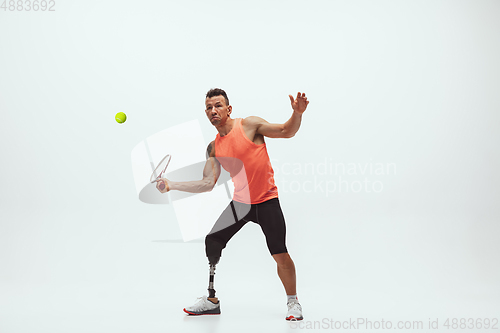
120, 117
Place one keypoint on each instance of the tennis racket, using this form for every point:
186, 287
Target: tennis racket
160, 171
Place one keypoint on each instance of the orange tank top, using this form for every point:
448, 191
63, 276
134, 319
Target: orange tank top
248, 164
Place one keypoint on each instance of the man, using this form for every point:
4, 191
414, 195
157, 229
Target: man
240, 146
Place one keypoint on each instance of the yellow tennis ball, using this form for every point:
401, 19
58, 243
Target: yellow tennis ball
121, 117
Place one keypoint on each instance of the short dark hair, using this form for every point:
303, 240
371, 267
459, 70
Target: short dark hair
218, 92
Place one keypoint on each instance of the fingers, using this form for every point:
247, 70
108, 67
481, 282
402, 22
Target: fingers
300, 103
162, 185
302, 97
299, 96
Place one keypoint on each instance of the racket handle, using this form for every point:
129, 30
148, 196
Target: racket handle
162, 186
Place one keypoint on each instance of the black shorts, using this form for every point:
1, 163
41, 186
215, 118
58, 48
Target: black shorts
267, 214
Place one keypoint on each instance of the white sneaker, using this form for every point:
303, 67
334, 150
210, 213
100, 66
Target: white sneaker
203, 307
294, 310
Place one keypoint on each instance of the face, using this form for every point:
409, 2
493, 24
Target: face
217, 111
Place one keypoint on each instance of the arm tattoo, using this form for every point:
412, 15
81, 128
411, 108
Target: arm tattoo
209, 150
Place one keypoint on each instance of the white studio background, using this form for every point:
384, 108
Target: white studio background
407, 86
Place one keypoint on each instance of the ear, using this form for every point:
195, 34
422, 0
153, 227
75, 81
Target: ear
229, 109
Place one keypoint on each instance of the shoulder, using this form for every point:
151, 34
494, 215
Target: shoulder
252, 121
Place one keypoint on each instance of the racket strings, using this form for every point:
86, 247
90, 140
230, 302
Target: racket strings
161, 166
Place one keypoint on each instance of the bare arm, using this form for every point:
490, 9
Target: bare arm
286, 130
211, 173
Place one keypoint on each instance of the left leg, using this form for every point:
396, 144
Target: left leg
286, 272
271, 220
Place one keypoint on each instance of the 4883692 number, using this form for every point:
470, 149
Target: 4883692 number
28, 5
471, 323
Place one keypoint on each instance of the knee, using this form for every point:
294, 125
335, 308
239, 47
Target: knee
284, 260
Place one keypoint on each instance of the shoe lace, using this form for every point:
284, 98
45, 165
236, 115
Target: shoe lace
293, 304
201, 303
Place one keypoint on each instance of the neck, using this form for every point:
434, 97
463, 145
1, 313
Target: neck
226, 127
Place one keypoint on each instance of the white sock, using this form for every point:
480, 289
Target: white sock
289, 297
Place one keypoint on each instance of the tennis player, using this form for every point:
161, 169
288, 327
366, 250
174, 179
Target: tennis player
255, 196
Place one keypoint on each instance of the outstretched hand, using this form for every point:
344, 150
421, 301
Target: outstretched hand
300, 103
162, 185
